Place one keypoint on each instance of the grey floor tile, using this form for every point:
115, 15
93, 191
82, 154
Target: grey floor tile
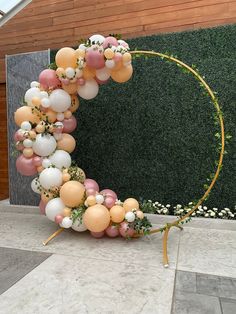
228, 306
185, 281
15, 264
192, 303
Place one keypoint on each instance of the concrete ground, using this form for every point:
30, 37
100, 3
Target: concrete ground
76, 273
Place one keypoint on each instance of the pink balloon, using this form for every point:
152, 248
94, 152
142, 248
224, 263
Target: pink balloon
110, 41
20, 146
58, 219
49, 79
81, 81
125, 231
37, 161
112, 231
65, 81
42, 207
117, 57
95, 59
91, 184
69, 125
18, 136
109, 202
108, 192
97, 235
90, 192
101, 82
25, 166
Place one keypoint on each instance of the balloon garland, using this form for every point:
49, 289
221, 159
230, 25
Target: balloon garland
68, 198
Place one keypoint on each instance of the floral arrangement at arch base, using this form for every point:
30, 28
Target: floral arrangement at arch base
45, 122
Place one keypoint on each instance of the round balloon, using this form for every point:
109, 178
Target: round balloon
78, 226
48, 79
130, 204
25, 113
60, 159
96, 218
44, 145
50, 177
60, 100
53, 208
123, 74
66, 57
25, 166
66, 142
89, 90
72, 193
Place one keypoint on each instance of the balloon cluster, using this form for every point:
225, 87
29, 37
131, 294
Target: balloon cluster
67, 197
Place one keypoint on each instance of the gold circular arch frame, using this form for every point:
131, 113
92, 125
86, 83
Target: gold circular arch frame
177, 223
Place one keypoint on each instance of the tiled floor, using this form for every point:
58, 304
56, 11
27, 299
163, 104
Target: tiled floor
78, 274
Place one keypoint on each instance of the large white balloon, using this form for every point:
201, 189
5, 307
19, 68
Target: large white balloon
103, 74
89, 90
78, 226
97, 39
44, 145
50, 177
35, 186
30, 93
60, 100
54, 207
60, 159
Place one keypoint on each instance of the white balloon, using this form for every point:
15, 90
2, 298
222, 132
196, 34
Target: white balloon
46, 163
44, 145
54, 207
78, 226
60, 159
45, 102
89, 90
99, 199
110, 64
27, 142
57, 136
130, 216
123, 43
43, 94
97, 38
82, 47
34, 84
60, 116
26, 126
50, 177
35, 186
30, 93
60, 100
66, 222
103, 74
70, 72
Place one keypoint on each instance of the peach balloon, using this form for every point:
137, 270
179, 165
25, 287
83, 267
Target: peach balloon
109, 53
96, 218
118, 66
40, 168
60, 72
40, 128
72, 193
71, 88
74, 103
32, 134
91, 200
140, 214
123, 74
46, 197
66, 57
67, 143
28, 152
67, 212
67, 114
50, 115
126, 57
80, 53
65, 177
130, 204
36, 102
117, 213
25, 113
89, 73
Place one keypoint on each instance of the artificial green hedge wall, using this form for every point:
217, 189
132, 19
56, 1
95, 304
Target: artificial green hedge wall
153, 137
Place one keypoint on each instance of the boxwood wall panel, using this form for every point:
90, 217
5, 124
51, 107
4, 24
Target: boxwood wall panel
153, 137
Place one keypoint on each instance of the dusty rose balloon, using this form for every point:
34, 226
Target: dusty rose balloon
108, 192
90, 192
18, 136
110, 41
42, 207
48, 79
97, 235
65, 81
101, 82
37, 161
91, 184
95, 59
20, 146
109, 202
58, 219
25, 166
81, 81
117, 57
112, 231
69, 125
125, 231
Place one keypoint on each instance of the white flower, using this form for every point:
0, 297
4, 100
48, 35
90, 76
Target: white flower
149, 201
231, 215
178, 206
215, 208
165, 210
201, 210
200, 207
212, 214
227, 209
168, 205
220, 214
156, 203
181, 210
193, 214
162, 206
206, 215
190, 203
223, 211
204, 207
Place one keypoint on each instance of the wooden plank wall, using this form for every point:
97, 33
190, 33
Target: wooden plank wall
56, 23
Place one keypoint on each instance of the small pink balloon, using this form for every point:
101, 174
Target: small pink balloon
91, 184
48, 79
101, 82
69, 125
125, 231
65, 81
117, 57
97, 235
25, 166
90, 192
42, 207
20, 146
18, 136
108, 192
81, 81
110, 41
37, 161
43, 109
95, 59
109, 202
58, 219
112, 231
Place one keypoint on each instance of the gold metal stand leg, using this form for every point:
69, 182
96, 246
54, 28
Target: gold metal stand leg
53, 236
165, 254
